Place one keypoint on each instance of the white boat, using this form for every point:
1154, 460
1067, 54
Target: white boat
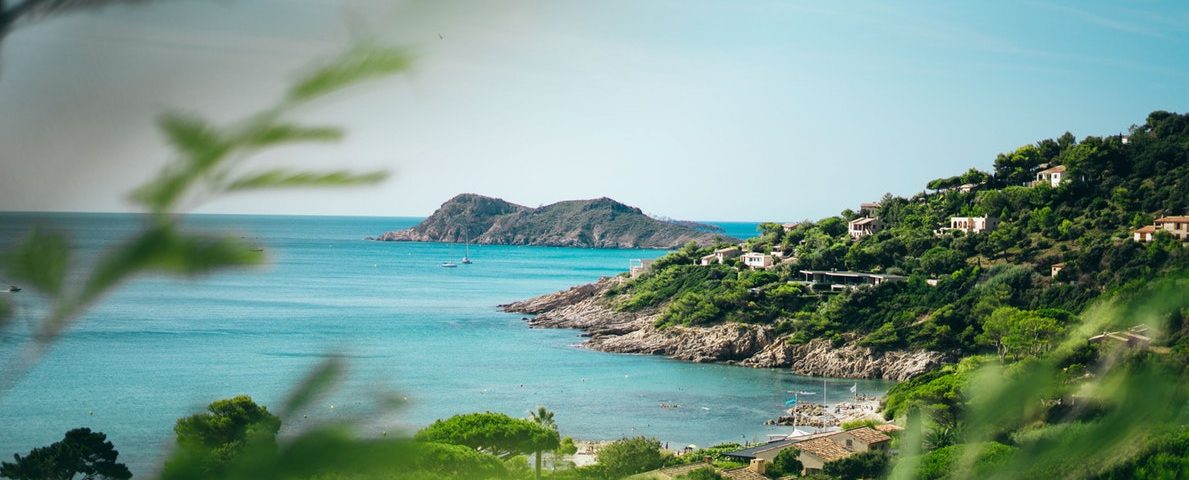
466, 257
449, 264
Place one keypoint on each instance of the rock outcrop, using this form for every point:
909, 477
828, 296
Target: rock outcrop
586, 307
598, 223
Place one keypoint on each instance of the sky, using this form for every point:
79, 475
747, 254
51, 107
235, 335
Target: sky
700, 110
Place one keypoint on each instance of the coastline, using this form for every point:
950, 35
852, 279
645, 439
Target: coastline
582, 307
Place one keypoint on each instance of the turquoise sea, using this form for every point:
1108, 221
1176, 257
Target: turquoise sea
161, 348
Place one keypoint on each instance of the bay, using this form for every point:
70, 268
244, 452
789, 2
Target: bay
161, 348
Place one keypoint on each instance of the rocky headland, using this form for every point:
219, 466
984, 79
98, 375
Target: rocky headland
586, 307
597, 223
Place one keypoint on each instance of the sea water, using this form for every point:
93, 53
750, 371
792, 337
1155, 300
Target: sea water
160, 348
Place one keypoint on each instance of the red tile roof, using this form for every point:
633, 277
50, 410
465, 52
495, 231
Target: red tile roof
1057, 169
868, 435
1178, 218
824, 449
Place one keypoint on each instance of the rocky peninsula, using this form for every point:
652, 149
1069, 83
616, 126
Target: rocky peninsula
597, 223
586, 307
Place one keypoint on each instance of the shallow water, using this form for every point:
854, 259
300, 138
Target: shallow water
162, 348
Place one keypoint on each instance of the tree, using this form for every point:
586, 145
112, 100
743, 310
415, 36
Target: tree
211, 441
869, 464
941, 261
493, 433
81, 451
1016, 333
630, 456
787, 462
544, 418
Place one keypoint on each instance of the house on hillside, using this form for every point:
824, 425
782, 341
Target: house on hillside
637, 266
1177, 226
970, 225
758, 260
1133, 337
1052, 176
1056, 268
968, 187
816, 449
869, 209
863, 227
844, 280
721, 255
1144, 234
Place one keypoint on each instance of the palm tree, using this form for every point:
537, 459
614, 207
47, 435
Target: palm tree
543, 417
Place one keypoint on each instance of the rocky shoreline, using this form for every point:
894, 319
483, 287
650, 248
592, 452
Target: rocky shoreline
584, 307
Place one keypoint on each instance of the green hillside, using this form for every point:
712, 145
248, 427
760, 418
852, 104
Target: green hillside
1114, 185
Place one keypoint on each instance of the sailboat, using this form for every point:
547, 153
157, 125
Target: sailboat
466, 257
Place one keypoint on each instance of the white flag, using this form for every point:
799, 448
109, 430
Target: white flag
854, 388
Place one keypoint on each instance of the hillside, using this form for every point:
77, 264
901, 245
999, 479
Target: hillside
952, 282
598, 223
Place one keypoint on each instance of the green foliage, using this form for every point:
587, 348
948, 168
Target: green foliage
567, 447
1132, 397
630, 456
941, 463
787, 462
937, 389
859, 423
80, 452
1166, 457
210, 442
869, 464
942, 261
360, 64
493, 433
1016, 333
40, 261
717, 454
704, 473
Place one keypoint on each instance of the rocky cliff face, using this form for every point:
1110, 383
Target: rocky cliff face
584, 307
600, 223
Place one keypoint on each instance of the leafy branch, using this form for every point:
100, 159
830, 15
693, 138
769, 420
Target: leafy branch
211, 160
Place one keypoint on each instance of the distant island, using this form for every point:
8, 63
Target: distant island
597, 223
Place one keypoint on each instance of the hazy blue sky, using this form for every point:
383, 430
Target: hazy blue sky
709, 110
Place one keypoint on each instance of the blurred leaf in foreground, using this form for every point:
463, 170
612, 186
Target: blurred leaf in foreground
361, 63
286, 178
40, 261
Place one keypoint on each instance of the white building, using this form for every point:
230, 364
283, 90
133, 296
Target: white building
1177, 226
721, 255
862, 227
971, 224
1052, 176
758, 260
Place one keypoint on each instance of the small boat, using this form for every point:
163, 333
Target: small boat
449, 264
13, 289
466, 257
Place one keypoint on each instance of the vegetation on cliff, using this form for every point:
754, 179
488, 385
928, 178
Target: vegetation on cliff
965, 292
599, 223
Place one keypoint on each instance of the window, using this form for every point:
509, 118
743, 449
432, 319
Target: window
850, 443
